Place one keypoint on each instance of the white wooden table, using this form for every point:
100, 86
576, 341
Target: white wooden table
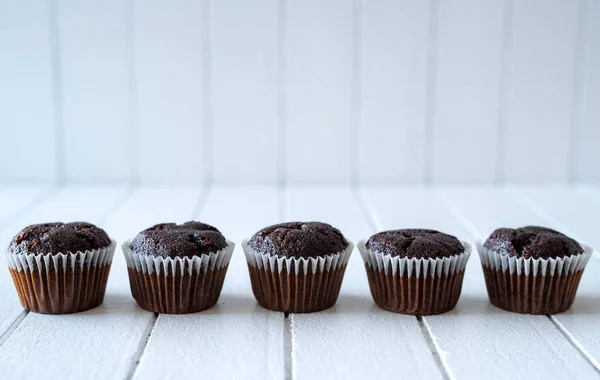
354, 339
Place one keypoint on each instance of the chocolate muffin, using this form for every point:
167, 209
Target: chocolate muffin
185, 240
532, 242
532, 270
297, 267
299, 240
73, 272
177, 268
52, 238
415, 271
415, 243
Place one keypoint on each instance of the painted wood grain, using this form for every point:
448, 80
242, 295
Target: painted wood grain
536, 139
355, 329
318, 69
492, 343
170, 90
468, 64
27, 114
392, 83
586, 154
486, 209
237, 338
244, 53
94, 39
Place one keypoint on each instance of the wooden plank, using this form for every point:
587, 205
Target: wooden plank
487, 209
355, 329
476, 339
536, 141
67, 204
107, 339
318, 61
244, 43
468, 77
236, 330
169, 80
26, 93
392, 89
586, 154
95, 53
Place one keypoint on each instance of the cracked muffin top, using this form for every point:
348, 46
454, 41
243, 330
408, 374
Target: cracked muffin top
53, 238
299, 240
178, 240
532, 242
415, 243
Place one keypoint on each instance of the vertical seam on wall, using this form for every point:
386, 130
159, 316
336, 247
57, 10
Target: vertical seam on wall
430, 95
506, 89
356, 92
580, 88
281, 93
207, 92
134, 132
59, 129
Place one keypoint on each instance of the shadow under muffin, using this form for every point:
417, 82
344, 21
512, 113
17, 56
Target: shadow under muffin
60, 268
177, 269
297, 267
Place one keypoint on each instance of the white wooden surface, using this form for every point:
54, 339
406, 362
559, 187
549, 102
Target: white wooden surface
94, 41
392, 69
299, 91
542, 82
354, 339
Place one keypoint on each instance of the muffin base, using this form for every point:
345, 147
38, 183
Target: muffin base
415, 296
179, 293
531, 294
296, 293
61, 292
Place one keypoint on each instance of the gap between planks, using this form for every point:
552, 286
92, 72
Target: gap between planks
375, 224
288, 348
139, 353
538, 210
525, 201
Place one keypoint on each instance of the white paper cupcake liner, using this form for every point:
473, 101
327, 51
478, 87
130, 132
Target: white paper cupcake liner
296, 265
150, 264
88, 259
296, 285
419, 267
545, 267
61, 283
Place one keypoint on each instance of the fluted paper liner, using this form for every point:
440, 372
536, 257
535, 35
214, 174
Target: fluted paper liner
415, 285
296, 285
177, 285
532, 286
61, 283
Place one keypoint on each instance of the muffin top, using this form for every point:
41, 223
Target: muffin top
415, 243
532, 241
53, 238
178, 240
299, 240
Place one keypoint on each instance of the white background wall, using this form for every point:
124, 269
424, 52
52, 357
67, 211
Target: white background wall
326, 91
